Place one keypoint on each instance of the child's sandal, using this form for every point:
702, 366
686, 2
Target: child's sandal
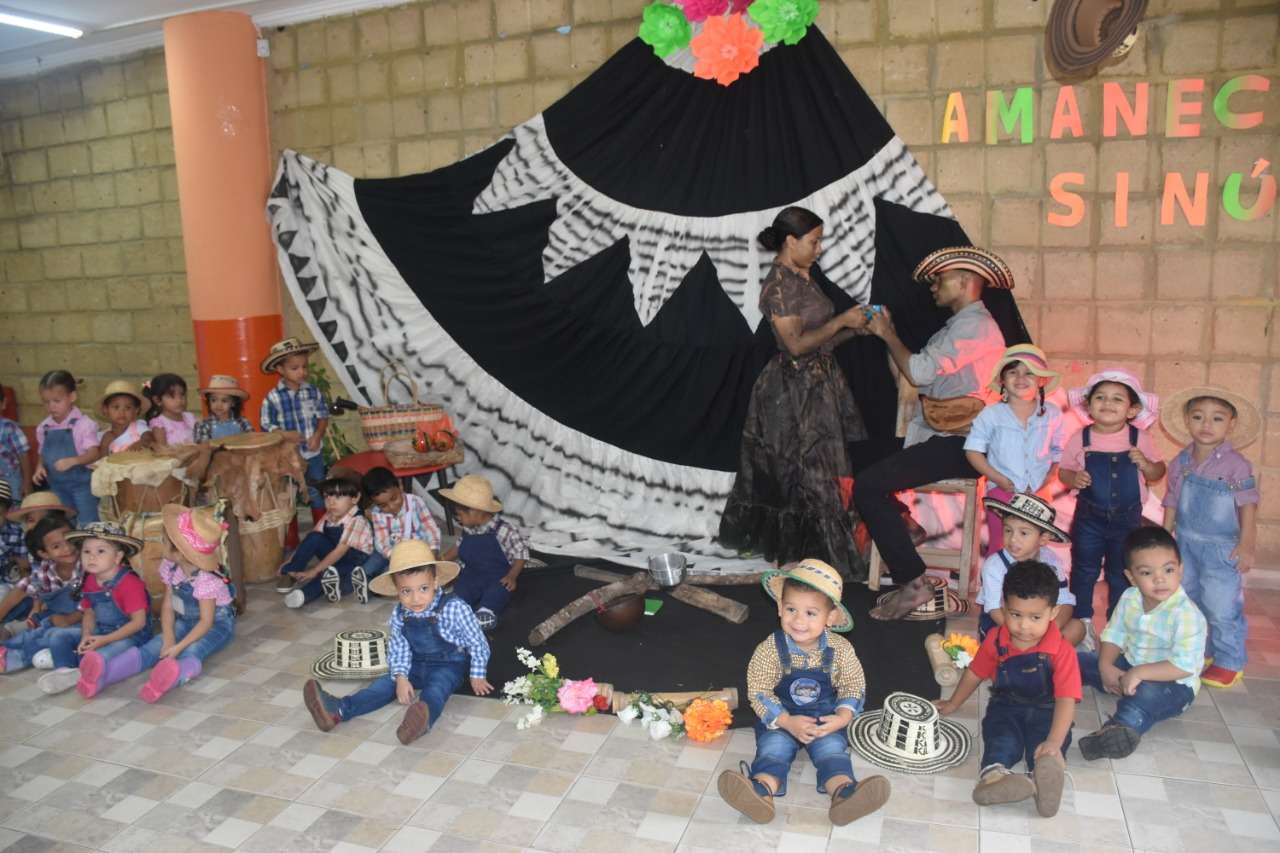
858, 799
745, 794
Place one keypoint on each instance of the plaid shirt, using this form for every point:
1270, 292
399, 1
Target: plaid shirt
765, 671
1174, 630
13, 547
13, 449
44, 579
514, 545
414, 521
457, 625
204, 428
300, 410
356, 533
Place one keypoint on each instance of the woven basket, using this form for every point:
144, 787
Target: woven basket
401, 454
392, 421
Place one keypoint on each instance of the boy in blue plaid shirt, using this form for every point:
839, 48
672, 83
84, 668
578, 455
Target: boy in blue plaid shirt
296, 404
14, 560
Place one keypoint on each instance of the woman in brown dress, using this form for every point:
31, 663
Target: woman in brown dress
785, 502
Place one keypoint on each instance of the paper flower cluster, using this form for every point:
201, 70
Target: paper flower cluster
961, 648
705, 720
661, 719
548, 693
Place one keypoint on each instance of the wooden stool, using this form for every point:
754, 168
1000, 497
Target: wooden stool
955, 559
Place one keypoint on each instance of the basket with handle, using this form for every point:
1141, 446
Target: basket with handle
435, 443
393, 421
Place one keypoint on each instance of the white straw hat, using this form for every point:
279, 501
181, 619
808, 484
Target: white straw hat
943, 603
356, 655
909, 735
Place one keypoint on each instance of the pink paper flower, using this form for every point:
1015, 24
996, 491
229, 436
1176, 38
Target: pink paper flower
577, 696
700, 10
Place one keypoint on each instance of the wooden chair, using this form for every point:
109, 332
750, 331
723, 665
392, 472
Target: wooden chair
962, 559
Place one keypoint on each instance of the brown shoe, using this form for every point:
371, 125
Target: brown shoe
864, 798
323, 707
417, 719
1049, 775
1001, 786
743, 794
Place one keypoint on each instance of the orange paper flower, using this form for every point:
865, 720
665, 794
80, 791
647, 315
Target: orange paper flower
727, 48
704, 720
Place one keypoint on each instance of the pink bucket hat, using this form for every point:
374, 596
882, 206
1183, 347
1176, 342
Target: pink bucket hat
1149, 403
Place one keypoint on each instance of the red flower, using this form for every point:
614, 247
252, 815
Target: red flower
726, 48
600, 703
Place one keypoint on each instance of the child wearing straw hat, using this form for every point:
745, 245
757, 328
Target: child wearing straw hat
1017, 442
805, 684
1212, 507
491, 551
120, 405
296, 404
434, 644
225, 399
37, 506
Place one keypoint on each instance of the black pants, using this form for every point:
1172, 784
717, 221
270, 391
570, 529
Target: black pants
882, 467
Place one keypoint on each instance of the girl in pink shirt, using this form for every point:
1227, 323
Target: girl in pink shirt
168, 417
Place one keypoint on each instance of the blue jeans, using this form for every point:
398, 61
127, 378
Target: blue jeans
375, 564
1098, 536
216, 638
435, 681
22, 648
314, 546
1213, 582
1152, 702
315, 472
1011, 732
62, 646
21, 610
776, 749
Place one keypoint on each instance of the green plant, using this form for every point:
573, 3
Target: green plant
336, 446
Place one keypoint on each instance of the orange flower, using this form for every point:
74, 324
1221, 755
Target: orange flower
726, 48
704, 720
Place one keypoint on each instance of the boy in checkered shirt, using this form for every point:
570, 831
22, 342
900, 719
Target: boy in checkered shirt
14, 560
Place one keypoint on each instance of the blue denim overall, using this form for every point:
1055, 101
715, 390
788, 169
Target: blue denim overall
1208, 530
72, 486
1020, 713
316, 545
437, 669
222, 429
483, 565
23, 648
1106, 513
107, 617
186, 612
809, 693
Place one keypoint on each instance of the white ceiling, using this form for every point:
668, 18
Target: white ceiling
118, 27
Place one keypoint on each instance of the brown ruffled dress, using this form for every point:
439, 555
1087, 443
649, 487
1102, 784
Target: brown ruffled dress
785, 502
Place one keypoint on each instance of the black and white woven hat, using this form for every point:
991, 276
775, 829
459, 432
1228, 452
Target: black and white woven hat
357, 655
943, 603
908, 734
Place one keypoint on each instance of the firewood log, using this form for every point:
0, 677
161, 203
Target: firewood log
704, 599
636, 584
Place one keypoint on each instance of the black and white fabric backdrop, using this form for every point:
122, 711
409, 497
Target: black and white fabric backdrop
582, 295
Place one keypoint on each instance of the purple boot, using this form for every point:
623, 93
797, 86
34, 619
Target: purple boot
96, 672
166, 675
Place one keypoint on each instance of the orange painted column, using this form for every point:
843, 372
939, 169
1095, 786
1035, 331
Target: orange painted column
222, 147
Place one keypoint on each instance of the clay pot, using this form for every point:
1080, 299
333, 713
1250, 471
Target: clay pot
623, 614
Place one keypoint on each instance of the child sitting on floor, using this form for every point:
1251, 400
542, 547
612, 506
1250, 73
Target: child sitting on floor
196, 616
1152, 648
1212, 507
433, 645
48, 598
116, 616
1028, 529
396, 516
340, 544
225, 399
120, 405
805, 684
168, 417
1035, 685
492, 551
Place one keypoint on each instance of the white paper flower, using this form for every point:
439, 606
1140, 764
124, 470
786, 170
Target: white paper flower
531, 719
963, 660
659, 729
527, 658
628, 714
676, 717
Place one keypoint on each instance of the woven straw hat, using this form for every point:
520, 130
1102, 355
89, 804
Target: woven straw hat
1083, 35
117, 387
220, 383
986, 264
1248, 420
942, 604
1030, 509
816, 574
41, 501
110, 532
281, 350
1033, 357
1149, 403
475, 492
413, 554
909, 735
356, 655
196, 533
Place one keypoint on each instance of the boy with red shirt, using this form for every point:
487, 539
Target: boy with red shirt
1035, 687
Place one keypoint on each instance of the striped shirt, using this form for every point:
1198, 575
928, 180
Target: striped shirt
414, 521
457, 625
514, 545
356, 533
765, 671
1173, 630
301, 410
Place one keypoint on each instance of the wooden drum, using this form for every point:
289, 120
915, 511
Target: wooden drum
142, 481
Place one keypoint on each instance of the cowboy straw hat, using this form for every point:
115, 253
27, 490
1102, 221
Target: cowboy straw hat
1148, 403
359, 654
1173, 414
41, 501
473, 491
909, 735
413, 554
942, 604
1030, 509
1033, 357
981, 261
281, 350
1082, 35
818, 575
109, 531
116, 387
196, 533
220, 383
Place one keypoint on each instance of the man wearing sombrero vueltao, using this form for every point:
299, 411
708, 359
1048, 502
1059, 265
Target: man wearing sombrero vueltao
950, 372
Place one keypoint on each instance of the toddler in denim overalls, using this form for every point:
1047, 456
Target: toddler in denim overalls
491, 551
68, 442
1211, 506
809, 703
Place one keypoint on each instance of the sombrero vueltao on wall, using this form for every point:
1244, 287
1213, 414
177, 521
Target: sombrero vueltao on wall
942, 604
357, 655
1083, 35
909, 735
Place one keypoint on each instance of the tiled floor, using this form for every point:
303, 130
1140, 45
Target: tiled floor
232, 761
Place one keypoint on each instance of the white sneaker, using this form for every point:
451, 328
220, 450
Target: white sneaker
488, 621
331, 583
360, 584
42, 659
295, 599
60, 680
1090, 641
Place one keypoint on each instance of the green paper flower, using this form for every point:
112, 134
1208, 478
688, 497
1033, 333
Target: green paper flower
665, 28
783, 20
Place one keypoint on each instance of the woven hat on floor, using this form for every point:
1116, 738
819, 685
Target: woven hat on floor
1149, 403
281, 350
413, 554
196, 533
986, 264
110, 532
1082, 35
909, 735
1248, 420
1030, 509
942, 604
360, 654
1033, 357
220, 383
475, 492
120, 386
41, 501
816, 574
